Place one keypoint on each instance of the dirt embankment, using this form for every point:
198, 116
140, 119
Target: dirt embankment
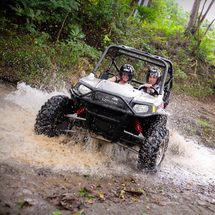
41, 175
194, 118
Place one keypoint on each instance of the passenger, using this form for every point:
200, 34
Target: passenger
125, 74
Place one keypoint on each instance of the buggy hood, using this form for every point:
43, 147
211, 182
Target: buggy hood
127, 91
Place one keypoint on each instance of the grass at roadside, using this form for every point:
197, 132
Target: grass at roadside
37, 62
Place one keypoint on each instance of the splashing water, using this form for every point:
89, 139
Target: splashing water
31, 99
185, 161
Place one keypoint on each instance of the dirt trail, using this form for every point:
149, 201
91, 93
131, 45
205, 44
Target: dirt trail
41, 175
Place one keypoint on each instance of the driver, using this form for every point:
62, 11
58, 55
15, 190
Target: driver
125, 75
153, 78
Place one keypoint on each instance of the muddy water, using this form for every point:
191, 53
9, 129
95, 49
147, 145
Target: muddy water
185, 161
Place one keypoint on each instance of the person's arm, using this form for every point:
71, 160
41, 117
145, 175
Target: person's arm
144, 86
153, 90
147, 85
113, 79
150, 89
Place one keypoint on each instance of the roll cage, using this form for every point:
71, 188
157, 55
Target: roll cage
114, 51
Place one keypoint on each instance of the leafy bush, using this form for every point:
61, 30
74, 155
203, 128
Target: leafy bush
146, 13
61, 33
36, 61
206, 50
70, 19
49, 16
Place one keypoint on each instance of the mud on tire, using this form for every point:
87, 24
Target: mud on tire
153, 149
51, 119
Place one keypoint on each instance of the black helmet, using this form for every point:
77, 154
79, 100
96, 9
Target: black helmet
154, 71
127, 68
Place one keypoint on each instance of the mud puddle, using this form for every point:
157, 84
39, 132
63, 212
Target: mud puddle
99, 178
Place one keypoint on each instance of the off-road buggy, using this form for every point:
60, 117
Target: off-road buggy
121, 114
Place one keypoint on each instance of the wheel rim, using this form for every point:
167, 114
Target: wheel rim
160, 153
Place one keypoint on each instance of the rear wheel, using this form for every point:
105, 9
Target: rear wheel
153, 149
51, 119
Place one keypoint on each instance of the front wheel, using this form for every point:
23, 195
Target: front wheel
153, 149
51, 119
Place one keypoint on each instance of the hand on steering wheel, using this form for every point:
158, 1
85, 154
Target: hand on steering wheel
153, 91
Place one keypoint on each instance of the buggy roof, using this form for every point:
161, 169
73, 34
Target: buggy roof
116, 50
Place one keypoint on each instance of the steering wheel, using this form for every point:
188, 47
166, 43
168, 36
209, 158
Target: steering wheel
153, 90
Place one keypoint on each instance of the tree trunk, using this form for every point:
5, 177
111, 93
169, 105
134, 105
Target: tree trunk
193, 17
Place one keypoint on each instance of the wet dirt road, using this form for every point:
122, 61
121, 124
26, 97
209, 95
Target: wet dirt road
41, 175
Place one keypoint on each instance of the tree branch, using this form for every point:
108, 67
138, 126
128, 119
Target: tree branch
200, 40
209, 27
200, 15
63, 23
206, 12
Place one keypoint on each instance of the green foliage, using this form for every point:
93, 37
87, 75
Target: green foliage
106, 40
75, 33
56, 213
99, 11
204, 123
179, 74
207, 127
71, 19
27, 9
101, 19
194, 89
21, 204
73, 51
41, 39
146, 13
169, 18
206, 50
61, 33
84, 192
36, 61
48, 16
28, 61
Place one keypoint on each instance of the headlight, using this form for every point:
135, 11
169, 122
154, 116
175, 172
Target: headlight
141, 108
83, 89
